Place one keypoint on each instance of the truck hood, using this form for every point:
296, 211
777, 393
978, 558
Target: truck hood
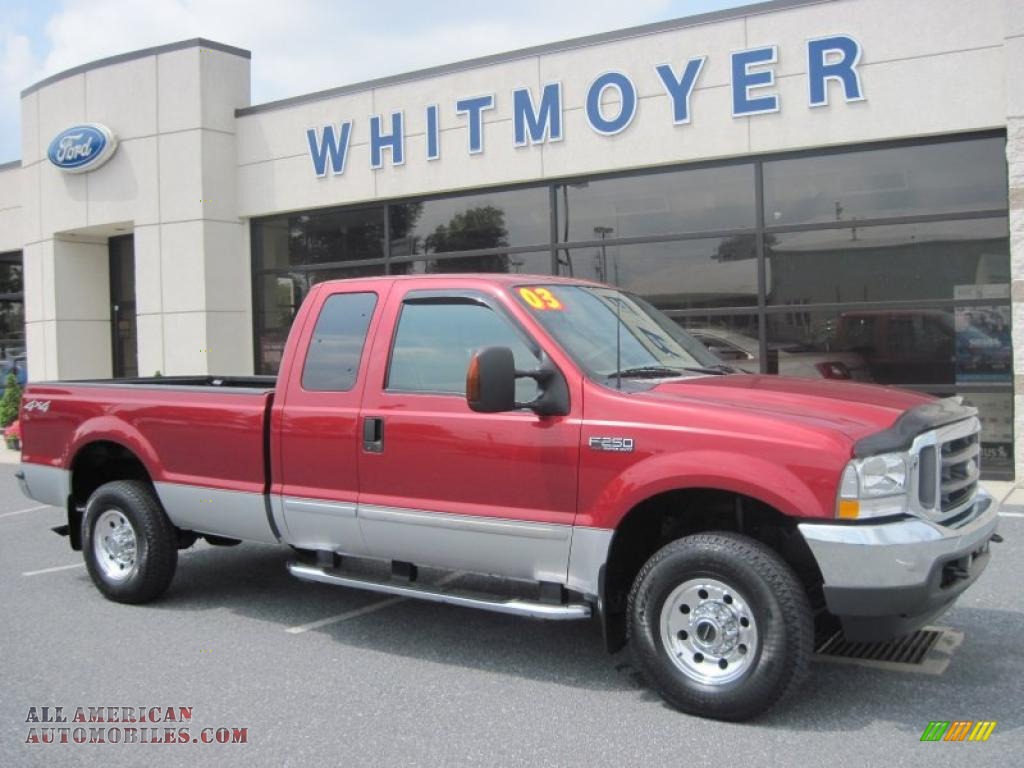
855, 410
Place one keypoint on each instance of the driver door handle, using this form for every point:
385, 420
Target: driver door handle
373, 434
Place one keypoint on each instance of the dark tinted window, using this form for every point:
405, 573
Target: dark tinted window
317, 238
332, 362
965, 259
534, 263
680, 274
657, 203
471, 222
899, 181
434, 343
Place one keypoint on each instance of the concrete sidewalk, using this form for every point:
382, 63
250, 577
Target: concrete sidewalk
7, 456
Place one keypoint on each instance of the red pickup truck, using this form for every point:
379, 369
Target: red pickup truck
559, 434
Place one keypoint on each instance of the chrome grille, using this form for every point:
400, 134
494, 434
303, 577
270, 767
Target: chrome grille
959, 471
947, 462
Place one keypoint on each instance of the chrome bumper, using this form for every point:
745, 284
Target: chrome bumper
899, 575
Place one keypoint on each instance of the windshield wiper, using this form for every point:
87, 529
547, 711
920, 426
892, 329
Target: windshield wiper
660, 371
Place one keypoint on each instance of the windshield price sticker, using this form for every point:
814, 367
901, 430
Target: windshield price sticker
540, 299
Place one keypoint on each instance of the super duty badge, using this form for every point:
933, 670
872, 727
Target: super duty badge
613, 444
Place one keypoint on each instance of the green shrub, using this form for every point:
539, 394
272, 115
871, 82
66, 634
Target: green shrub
11, 401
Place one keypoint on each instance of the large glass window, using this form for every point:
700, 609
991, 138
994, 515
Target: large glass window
704, 199
470, 222
317, 238
12, 308
884, 263
881, 183
678, 274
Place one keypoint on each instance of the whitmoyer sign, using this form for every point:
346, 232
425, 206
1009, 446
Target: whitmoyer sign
537, 118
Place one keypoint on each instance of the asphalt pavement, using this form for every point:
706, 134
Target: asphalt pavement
320, 675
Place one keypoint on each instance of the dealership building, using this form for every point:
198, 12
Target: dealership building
813, 187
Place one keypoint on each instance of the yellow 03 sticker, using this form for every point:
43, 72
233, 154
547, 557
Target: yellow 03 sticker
540, 298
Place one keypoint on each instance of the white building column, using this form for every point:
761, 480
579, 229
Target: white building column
1014, 65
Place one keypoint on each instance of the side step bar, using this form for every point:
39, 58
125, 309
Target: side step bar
515, 607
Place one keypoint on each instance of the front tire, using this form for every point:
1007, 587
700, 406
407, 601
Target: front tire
130, 547
720, 625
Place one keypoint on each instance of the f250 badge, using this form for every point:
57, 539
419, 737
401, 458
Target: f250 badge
37, 405
612, 444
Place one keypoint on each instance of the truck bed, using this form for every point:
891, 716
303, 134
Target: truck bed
199, 431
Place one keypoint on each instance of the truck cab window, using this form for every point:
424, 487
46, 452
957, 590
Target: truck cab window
434, 342
332, 363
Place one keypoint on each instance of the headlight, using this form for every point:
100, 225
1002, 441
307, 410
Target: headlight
874, 487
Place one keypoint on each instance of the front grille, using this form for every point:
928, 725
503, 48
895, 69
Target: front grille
948, 469
959, 476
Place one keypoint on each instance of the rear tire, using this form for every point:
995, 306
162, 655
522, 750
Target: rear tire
130, 547
720, 625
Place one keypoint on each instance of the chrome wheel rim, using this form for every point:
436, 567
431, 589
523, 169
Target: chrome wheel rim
114, 545
709, 631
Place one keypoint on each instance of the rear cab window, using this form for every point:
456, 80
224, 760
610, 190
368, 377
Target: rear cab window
336, 346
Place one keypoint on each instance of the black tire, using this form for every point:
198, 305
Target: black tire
774, 596
156, 552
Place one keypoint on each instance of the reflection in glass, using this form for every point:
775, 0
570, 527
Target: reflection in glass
470, 222
932, 260
903, 346
533, 263
315, 238
876, 183
710, 272
658, 203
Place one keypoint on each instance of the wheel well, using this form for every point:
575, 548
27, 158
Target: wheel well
666, 517
94, 465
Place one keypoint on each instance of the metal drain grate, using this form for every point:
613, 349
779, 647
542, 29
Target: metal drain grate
928, 650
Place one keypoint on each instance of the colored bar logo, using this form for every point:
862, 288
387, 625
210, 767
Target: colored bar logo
958, 730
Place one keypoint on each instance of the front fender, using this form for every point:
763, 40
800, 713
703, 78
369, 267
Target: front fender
770, 482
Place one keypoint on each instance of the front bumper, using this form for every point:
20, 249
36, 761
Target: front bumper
888, 579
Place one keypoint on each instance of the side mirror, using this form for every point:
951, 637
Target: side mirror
491, 384
491, 381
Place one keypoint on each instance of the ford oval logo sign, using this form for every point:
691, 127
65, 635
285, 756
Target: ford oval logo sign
82, 148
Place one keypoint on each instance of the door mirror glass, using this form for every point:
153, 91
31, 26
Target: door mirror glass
491, 380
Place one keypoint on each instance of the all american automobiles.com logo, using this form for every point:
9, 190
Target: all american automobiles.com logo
125, 725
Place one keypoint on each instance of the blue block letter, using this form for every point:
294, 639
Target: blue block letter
743, 80
627, 109
395, 141
679, 89
433, 133
535, 126
823, 65
327, 143
474, 109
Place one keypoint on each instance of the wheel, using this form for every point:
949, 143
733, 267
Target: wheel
719, 625
130, 547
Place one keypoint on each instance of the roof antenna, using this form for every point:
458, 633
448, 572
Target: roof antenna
618, 340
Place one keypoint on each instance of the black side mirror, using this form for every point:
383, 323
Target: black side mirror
491, 384
491, 381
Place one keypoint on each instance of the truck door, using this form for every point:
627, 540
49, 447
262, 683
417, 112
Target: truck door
442, 485
316, 427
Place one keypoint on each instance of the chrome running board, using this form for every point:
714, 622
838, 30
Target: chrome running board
515, 607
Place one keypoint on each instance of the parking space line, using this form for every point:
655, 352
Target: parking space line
54, 570
23, 511
371, 608
1011, 514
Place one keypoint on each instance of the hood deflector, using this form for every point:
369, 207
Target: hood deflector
918, 419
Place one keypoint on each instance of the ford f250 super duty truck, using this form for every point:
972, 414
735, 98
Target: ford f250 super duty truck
561, 435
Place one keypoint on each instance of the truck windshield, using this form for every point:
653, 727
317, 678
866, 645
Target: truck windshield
585, 320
